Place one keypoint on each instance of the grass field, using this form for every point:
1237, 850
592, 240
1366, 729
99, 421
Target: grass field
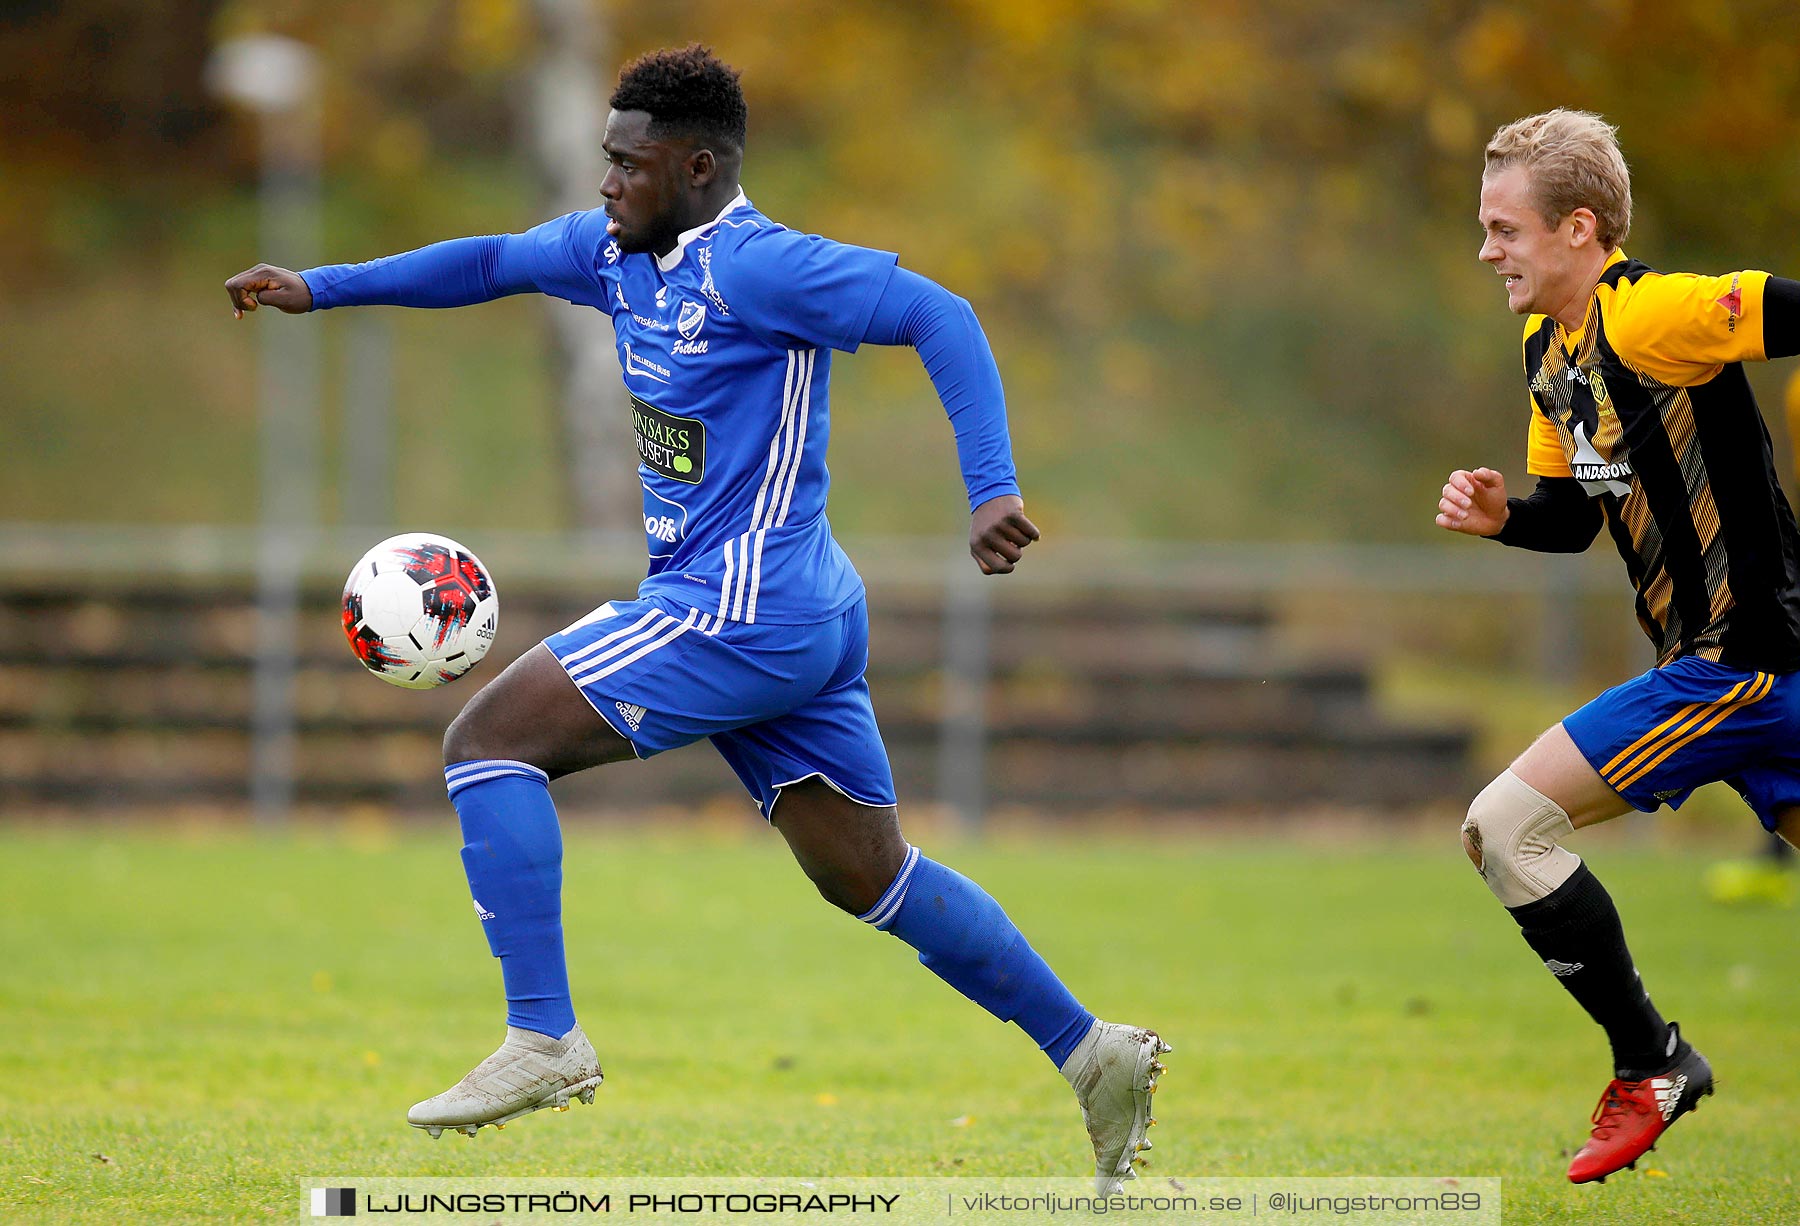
189, 1021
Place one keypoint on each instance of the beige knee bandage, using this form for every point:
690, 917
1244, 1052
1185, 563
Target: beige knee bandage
1514, 832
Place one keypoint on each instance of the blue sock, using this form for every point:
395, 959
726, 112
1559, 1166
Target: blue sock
965, 939
512, 853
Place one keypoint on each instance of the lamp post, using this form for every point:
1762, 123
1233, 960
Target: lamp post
276, 77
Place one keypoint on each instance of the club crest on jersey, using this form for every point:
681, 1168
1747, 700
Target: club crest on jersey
688, 321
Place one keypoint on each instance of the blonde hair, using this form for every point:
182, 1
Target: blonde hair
1573, 161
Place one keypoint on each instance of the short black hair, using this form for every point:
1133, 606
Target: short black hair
688, 92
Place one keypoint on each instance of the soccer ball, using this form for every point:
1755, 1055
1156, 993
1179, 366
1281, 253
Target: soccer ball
420, 610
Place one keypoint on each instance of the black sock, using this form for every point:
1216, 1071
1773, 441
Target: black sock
1576, 931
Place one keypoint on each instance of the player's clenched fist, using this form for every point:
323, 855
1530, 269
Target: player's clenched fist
1473, 502
267, 285
999, 533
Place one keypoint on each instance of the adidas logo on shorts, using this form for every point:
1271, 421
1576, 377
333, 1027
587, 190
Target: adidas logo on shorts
633, 715
1562, 970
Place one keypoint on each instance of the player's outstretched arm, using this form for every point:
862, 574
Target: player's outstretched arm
1474, 502
559, 257
998, 534
267, 285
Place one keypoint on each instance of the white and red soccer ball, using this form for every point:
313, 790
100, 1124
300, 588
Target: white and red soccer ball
420, 610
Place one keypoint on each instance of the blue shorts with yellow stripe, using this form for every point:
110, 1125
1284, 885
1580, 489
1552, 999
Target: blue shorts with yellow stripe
1691, 722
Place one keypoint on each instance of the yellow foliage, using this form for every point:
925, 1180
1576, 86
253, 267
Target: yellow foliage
1143, 198
491, 35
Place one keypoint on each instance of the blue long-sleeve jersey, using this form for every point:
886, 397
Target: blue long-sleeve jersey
725, 345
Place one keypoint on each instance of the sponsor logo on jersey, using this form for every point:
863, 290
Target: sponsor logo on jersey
704, 255
1733, 303
670, 445
1598, 474
636, 364
665, 523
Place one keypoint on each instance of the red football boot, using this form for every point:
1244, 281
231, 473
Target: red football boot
1633, 1114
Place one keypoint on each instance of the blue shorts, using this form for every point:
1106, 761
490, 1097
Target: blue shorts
780, 703
1659, 736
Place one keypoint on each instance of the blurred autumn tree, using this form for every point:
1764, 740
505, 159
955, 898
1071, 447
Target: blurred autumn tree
1225, 250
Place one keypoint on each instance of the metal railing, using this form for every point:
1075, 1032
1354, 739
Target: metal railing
1352, 600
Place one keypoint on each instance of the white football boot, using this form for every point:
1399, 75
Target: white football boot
1113, 1071
529, 1072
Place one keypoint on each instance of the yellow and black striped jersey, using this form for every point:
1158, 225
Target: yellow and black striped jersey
1648, 408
